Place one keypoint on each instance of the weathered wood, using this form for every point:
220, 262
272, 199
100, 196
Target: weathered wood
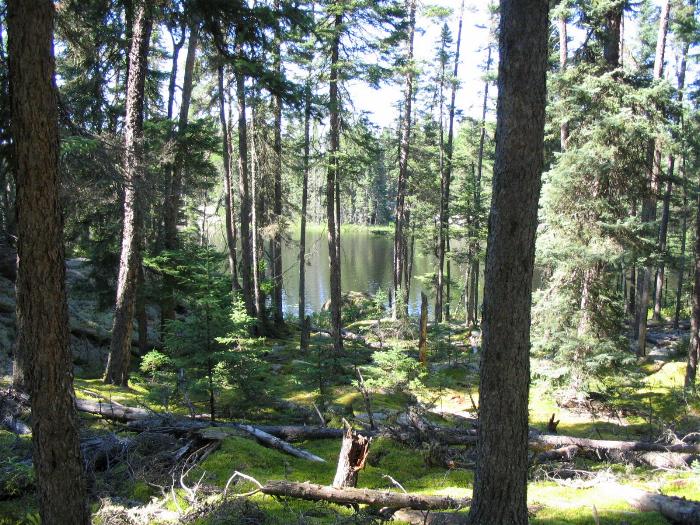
352, 458
677, 510
421, 517
273, 442
113, 411
607, 444
348, 496
558, 454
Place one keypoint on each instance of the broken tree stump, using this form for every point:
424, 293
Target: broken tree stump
352, 458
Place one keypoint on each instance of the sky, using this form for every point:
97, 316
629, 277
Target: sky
475, 36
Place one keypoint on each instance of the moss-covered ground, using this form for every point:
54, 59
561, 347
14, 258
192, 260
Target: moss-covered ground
449, 385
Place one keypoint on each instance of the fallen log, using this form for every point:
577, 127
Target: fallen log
113, 411
607, 444
350, 336
349, 496
301, 433
273, 442
677, 510
558, 454
421, 517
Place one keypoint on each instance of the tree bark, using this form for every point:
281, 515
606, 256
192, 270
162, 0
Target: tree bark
353, 455
563, 59
44, 361
648, 215
500, 487
332, 205
273, 442
401, 218
118, 362
677, 510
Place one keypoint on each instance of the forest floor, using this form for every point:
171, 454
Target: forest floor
140, 489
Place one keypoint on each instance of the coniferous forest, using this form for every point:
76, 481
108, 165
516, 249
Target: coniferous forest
349, 262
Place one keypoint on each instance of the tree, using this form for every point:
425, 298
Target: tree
500, 486
44, 360
401, 214
648, 215
117, 371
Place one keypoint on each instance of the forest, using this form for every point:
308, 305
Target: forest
323, 262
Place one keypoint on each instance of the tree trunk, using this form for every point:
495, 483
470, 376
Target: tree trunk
141, 313
663, 234
423, 333
304, 342
276, 252
117, 371
681, 260
500, 487
243, 181
258, 245
649, 203
331, 203
401, 213
353, 454
694, 344
173, 199
228, 192
44, 362
442, 301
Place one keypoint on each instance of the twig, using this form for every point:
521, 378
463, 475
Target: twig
395, 482
237, 474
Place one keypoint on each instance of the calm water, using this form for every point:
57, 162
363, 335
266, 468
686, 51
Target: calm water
366, 266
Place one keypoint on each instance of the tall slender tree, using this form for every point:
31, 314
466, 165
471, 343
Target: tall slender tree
44, 362
648, 215
500, 486
118, 362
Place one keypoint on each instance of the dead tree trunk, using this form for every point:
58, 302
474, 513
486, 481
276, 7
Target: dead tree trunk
118, 362
352, 458
44, 362
349, 496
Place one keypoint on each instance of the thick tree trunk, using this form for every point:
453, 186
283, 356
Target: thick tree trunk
174, 197
649, 203
118, 362
333, 205
500, 487
243, 182
401, 213
353, 455
44, 362
349, 496
228, 192
442, 301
